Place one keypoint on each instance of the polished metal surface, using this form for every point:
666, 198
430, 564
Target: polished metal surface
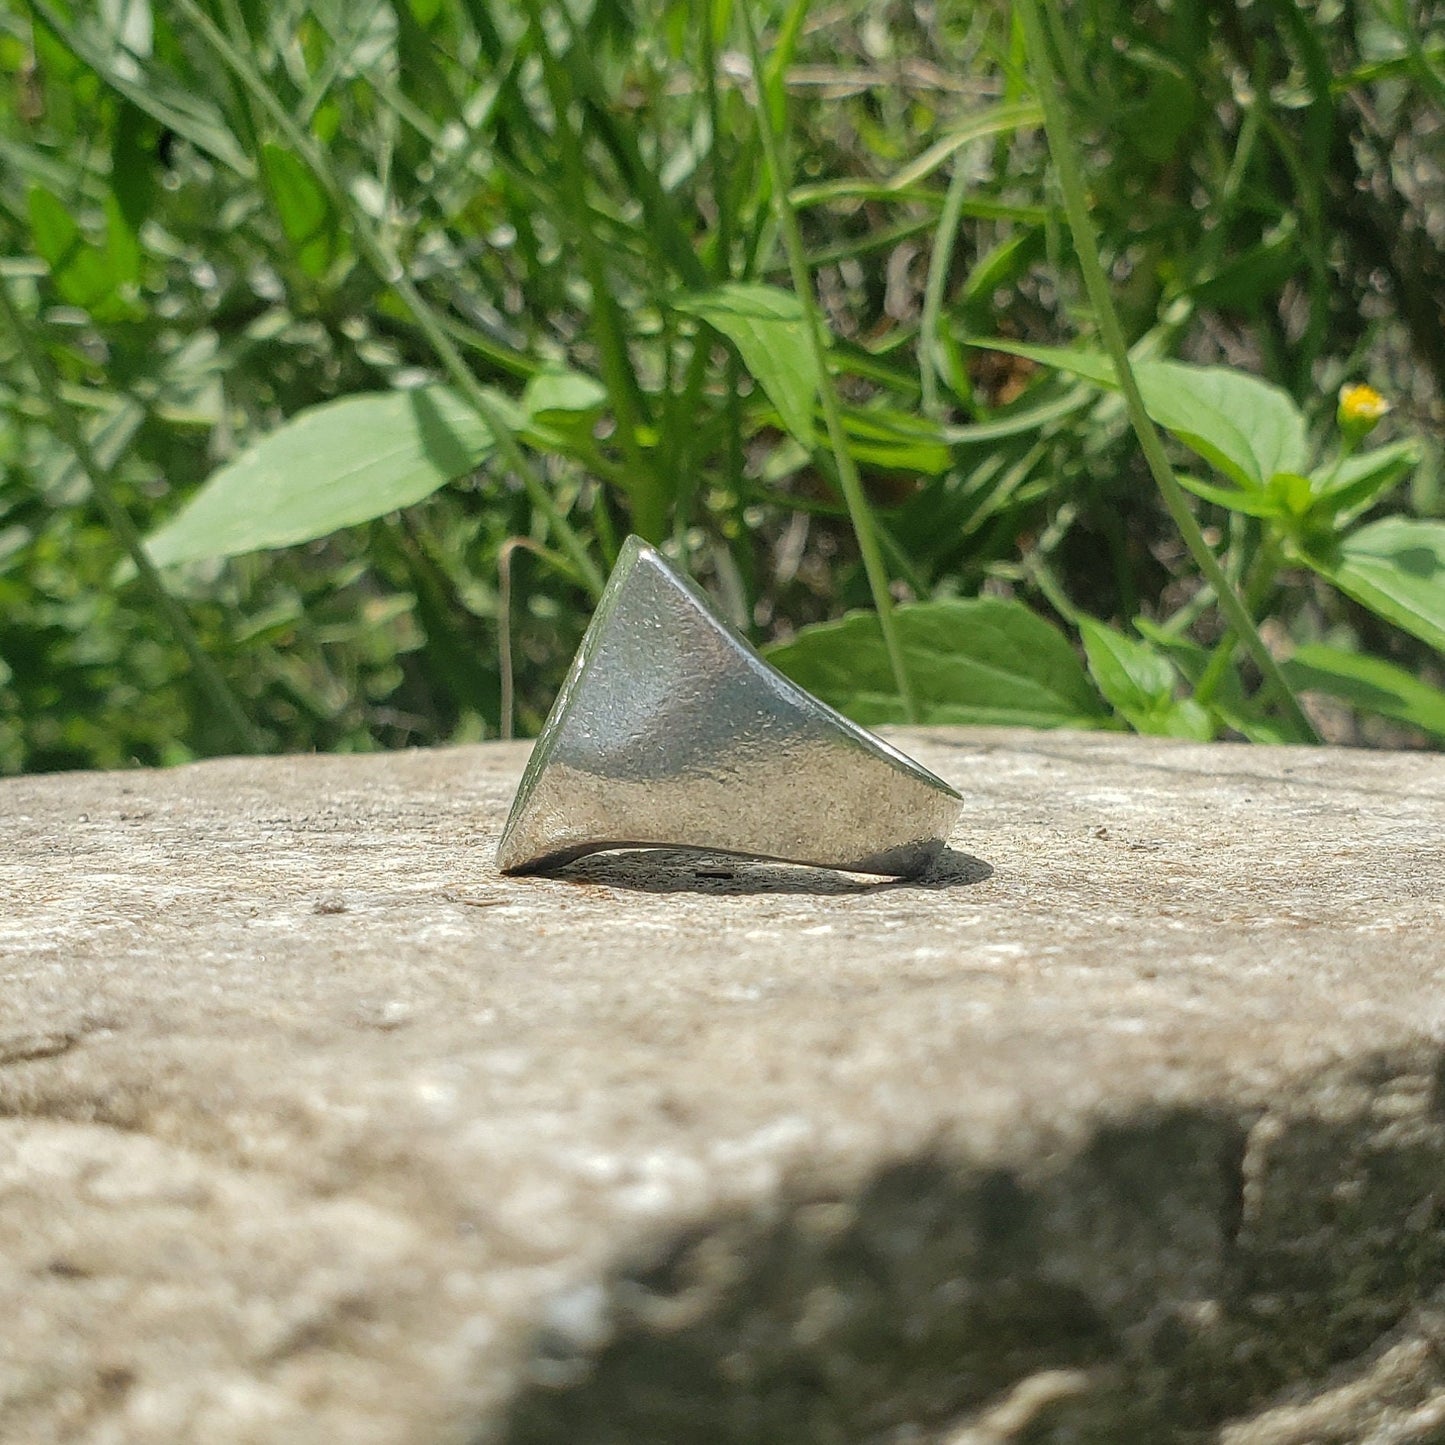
670, 731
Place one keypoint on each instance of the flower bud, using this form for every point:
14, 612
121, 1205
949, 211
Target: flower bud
1360, 409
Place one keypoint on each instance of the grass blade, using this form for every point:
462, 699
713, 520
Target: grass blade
864, 526
1076, 206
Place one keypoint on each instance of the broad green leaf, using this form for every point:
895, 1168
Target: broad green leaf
977, 660
554, 394
1352, 487
1396, 568
1130, 673
122, 247
769, 330
1368, 683
1183, 718
1244, 426
1252, 504
331, 466
52, 230
1139, 682
303, 208
1293, 493
83, 274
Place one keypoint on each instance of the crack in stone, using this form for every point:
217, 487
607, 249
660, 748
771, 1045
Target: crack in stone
25, 1046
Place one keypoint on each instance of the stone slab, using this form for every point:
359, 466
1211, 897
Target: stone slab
1129, 1124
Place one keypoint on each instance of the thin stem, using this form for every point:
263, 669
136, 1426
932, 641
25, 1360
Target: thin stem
504, 625
389, 270
722, 264
628, 402
717, 158
1257, 584
1348, 443
864, 527
1042, 576
938, 267
63, 422
1076, 207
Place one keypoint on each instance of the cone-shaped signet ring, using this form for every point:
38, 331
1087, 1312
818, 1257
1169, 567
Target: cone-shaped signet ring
671, 732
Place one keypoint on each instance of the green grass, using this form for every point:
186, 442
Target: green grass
717, 276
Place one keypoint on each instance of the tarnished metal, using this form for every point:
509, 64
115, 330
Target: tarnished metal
670, 731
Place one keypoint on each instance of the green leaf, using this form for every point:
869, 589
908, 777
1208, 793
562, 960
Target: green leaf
1244, 426
303, 208
1229, 705
1169, 106
1130, 673
1257, 273
122, 248
896, 441
557, 395
1017, 419
768, 328
999, 269
52, 231
976, 660
128, 25
1252, 504
1368, 683
1396, 568
979, 124
1352, 487
1140, 682
1183, 718
329, 467
83, 274
562, 408
187, 112
132, 165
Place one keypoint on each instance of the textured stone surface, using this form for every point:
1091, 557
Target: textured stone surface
1127, 1126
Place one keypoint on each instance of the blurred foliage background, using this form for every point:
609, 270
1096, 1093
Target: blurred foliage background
217, 214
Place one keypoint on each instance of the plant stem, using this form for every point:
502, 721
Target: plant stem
649, 500
504, 625
929, 346
864, 526
1257, 584
482, 404
1076, 207
717, 158
389, 271
243, 732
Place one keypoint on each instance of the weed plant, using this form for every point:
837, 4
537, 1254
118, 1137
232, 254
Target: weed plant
1049, 364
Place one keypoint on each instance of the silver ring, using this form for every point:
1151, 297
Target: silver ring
672, 732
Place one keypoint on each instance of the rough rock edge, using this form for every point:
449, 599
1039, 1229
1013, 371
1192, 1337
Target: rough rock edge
1264, 1278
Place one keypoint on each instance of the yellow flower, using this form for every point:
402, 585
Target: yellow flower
1360, 408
